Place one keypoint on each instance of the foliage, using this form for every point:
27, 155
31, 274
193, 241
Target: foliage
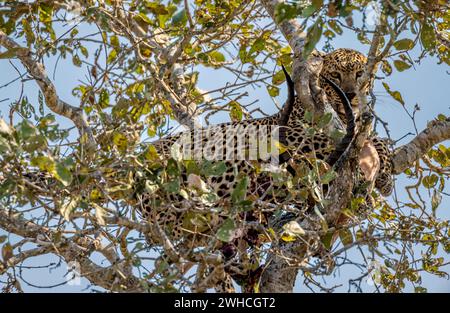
133, 92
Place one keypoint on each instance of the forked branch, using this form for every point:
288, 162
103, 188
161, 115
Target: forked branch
54, 103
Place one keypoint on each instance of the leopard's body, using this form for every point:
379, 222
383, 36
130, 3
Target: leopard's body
343, 67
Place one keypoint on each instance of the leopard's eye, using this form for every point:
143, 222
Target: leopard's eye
335, 75
359, 74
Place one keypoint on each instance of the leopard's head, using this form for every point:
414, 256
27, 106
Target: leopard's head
344, 67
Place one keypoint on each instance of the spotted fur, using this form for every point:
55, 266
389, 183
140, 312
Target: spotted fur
342, 67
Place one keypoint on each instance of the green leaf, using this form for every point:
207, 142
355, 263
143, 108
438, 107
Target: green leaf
278, 78
7, 252
359, 234
386, 67
74, 32
103, 100
328, 176
194, 221
420, 289
240, 191
120, 141
346, 237
329, 34
362, 37
84, 51
394, 94
428, 37
284, 11
333, 24
173, 186
327, 240
63, 174
44, 163
143, 17
7, 187
172, 168
308, 11
226, 231
26, 130
404, 44
258, 45
285, 56
112, 56
76, 60
156, 8
430, 181
236, 112
209, 198
308, 116
245, 56
180, 18
273, 91
216, 57
45, 13
324, 120
313, 37
401, 66
114, 40
29, 34
213, 168
151, 154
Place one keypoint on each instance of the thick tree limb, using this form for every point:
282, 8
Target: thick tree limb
305, 73
280, 275
60, 107
406, 155
284, 265
293, 32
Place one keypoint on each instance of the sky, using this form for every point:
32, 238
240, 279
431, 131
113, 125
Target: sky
426, 84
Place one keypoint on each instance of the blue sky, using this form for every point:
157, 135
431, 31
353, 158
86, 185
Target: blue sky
426, 85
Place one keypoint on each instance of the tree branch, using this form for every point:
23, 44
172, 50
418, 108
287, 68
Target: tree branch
305, 73
296, 37
185, 113
406, 155
37, 71
280, 274
117, 277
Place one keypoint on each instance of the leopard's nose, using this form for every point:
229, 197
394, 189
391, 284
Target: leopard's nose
350, 95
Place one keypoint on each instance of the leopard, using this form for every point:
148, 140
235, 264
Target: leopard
339, 77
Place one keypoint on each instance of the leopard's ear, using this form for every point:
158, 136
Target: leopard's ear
350, 121
289, 105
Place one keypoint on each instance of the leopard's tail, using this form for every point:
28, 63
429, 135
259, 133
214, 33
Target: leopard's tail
289, 106
350, 130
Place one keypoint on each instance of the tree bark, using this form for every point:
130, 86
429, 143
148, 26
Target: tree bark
280, 274
406, 155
